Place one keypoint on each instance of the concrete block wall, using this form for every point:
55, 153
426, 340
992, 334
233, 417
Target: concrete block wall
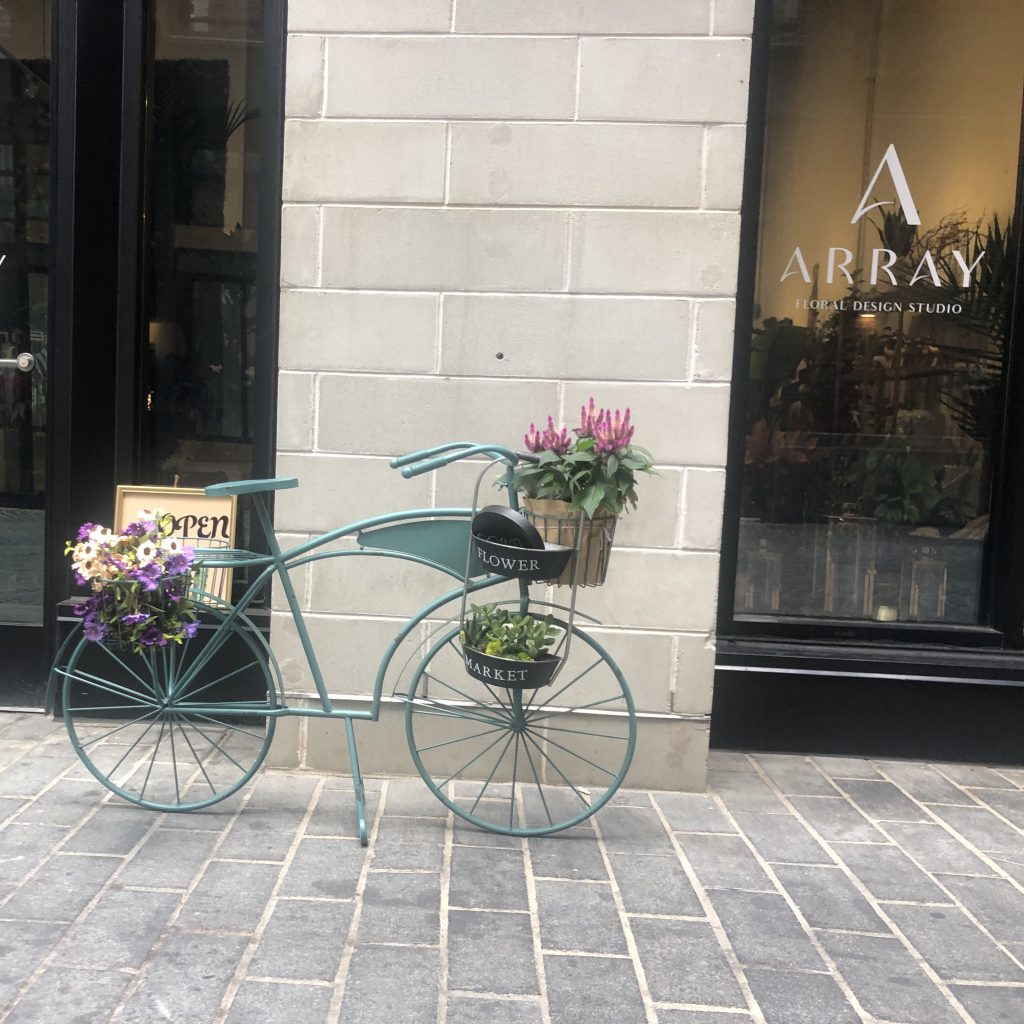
492, 210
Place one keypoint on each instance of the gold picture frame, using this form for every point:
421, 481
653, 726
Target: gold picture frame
199, 521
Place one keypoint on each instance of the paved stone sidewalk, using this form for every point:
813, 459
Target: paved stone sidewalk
798, 891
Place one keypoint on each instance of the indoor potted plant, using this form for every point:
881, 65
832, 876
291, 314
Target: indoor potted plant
582, 483
507, 648
139, 582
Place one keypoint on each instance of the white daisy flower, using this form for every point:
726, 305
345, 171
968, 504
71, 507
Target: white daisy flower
146, 552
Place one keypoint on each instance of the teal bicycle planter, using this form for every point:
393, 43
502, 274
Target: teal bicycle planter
181, 727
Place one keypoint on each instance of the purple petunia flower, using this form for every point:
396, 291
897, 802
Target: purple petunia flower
84, 530
94, 630
190, 629
153, 637
134, 619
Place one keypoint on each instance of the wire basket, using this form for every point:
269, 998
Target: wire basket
209, 579
557, 525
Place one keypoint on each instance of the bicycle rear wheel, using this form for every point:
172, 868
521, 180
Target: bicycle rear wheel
176, 728
521, 762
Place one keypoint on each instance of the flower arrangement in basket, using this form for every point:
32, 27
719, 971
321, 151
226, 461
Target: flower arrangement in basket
593, 473
509, 649
140, 581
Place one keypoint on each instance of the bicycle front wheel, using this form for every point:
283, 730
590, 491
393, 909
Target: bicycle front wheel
175, 728
521, 762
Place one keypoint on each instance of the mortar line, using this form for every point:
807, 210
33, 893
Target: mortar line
242, 967
916, 956
341, 977
627, 928
718, 930
443, 913
579, 79
978, 802
534, 910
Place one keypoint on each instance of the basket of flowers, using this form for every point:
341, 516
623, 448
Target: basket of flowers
579, 486
509, 649
140, 582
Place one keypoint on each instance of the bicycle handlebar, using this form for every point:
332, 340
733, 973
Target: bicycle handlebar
445, 454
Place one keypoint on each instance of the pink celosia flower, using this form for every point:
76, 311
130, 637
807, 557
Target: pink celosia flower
612, 434
550, 440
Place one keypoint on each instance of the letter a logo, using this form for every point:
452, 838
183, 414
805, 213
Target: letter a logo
899, 179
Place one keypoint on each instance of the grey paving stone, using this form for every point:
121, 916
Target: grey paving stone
684, 963
578, 917
763, 931
169, 859
1009, 804
391, 984
263, 1002
24, 846
490, 952
31, 727
31, 773
996, 903
401, 908
992, 1005
954, 945
62, 887
729, 761
303, 940
463, 1010
631, 798
654, 885
795, 775
487, 879
781, 837
325, 867
924, 783
828, 899
635, 830
886, 980
882, 801
971, 775
465, 834
186, 980
982, 829
115, 828
63, 804
284, 791
11, 805
413, 843
230, 896
693, 812
888, 873
741, 791
724, 862
335, 813
846, 767
834, 818
935, 849
1014, 868
592, 990
411, 796
568, 856
206, 819
63, 993
120, 930
794, 997
23, 947
257, 835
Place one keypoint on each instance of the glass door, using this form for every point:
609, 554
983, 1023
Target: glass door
873, 430
25, 52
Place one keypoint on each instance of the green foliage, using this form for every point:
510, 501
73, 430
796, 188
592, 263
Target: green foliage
501, 633
897, 486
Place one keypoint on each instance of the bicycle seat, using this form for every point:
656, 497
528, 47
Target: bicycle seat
281, 483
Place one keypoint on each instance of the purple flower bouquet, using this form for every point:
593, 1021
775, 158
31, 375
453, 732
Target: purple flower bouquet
139, 581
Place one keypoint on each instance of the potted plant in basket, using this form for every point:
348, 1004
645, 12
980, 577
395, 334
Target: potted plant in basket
583, 482
509, 649
139, 581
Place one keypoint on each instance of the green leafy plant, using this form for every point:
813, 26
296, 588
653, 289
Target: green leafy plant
595, 472
502, 633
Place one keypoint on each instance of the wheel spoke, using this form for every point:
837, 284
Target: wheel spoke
487, 781
579, 732
199, 760
570, 711
124, 756
472, 760
585, 760
575, 679
174, 761
123, 664
152, 760
496, 696
460, 739
104, 684
125, 725
536, 781
515, 770
466, 696
561, 774
192, 694
227, 725
214, 743
453, 710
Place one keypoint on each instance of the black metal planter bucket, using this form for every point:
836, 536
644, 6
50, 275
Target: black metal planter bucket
509, 673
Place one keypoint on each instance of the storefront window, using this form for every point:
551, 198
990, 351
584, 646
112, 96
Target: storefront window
202, 166
883, 301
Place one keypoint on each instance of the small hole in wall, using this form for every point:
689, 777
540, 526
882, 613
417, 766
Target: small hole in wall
499, 355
